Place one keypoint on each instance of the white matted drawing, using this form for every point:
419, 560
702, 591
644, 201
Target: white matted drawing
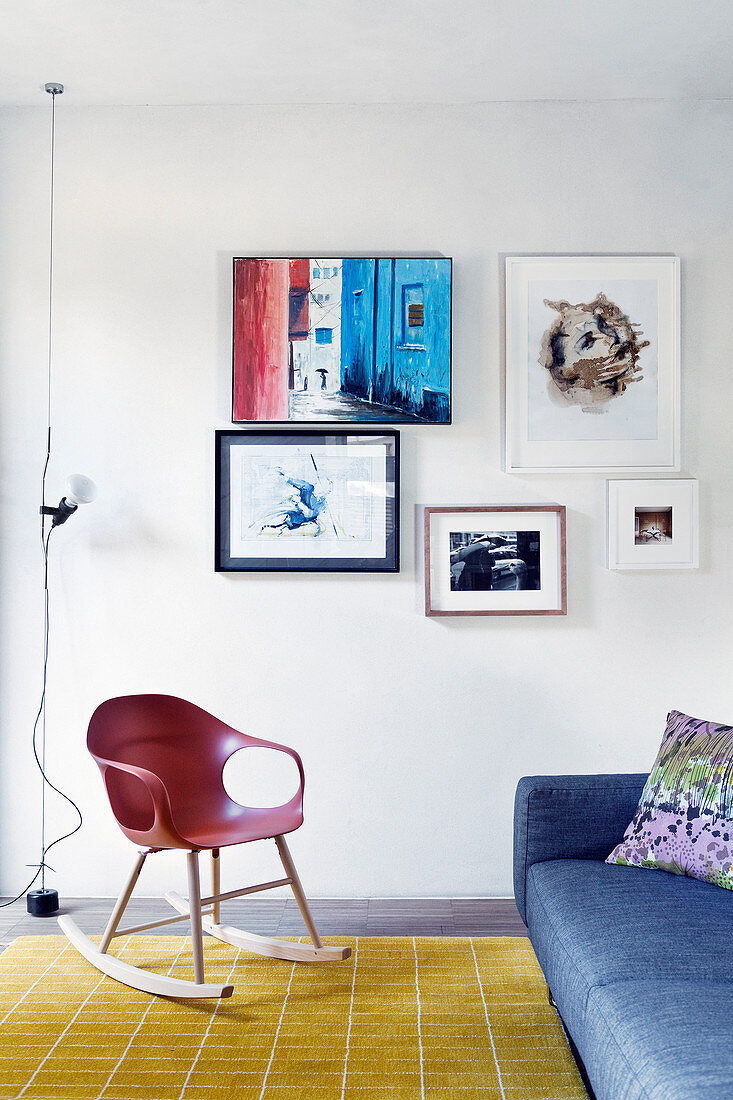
592, 363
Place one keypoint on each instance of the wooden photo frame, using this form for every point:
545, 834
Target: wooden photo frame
502, 559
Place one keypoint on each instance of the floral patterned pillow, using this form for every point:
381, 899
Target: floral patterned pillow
684, 820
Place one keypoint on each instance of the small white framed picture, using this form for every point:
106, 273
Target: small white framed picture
653, 524
502, 559
592, 364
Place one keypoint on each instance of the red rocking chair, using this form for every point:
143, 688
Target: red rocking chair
162, 761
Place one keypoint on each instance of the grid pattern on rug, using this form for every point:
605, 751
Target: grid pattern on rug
404, 1018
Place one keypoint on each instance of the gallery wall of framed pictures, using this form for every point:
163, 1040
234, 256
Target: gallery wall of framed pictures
592, 369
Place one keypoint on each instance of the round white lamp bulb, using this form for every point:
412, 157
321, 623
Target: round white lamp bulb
80, 489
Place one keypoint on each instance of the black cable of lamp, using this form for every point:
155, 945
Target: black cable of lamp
45, 901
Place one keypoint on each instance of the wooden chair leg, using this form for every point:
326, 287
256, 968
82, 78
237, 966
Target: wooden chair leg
121, 903
300, 897
134, 976
262, 945
215, 884
194, 902
259, 945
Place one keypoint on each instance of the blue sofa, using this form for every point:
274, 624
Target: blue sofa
639, 962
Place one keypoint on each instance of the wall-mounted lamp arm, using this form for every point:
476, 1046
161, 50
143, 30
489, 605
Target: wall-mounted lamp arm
60, 513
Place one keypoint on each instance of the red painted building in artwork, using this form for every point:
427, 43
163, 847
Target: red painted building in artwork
261, 349
270, 311
300, 279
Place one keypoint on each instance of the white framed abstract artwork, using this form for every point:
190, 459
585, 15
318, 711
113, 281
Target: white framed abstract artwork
592, 364
653, 523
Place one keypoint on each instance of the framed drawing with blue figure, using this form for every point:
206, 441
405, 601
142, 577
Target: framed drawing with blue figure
307, 501
592, 364
347, 339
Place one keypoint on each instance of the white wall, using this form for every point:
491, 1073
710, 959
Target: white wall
414, 746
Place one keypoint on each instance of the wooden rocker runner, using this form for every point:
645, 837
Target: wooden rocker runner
162, 761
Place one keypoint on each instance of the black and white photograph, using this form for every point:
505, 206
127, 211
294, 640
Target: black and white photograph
494, 561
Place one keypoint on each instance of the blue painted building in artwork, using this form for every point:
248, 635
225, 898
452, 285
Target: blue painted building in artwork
396, 334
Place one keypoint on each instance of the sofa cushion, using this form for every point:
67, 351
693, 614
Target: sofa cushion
592, 924
684, 820
660, 1039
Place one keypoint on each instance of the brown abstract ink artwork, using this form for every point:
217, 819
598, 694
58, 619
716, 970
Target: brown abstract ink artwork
591, 351
592, 363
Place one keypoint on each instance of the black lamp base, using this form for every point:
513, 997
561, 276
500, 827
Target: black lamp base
42, 903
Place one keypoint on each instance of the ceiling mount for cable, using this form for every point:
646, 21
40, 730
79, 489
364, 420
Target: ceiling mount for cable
53, 88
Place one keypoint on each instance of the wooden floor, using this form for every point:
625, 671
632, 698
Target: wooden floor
367, 917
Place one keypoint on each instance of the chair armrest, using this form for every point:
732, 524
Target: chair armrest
155, 788
569, 817
247, 741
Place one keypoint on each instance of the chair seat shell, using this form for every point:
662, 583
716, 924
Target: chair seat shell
162, 760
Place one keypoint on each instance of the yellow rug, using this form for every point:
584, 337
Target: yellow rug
409, 1019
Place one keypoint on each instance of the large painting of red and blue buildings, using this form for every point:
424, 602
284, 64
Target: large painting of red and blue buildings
349, 339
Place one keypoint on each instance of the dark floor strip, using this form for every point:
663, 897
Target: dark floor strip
338, 917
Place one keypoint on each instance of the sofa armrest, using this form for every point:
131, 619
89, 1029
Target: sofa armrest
569, 817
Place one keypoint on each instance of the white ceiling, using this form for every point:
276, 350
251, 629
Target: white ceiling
363, 51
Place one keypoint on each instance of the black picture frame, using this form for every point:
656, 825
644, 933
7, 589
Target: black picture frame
353, 500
